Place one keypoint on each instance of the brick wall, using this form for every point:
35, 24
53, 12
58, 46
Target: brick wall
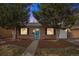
5, 33
74, 33
31, 34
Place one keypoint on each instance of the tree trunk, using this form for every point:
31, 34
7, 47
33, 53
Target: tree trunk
13, 35
57, 33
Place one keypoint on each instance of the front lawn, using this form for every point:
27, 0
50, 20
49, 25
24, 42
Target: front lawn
57, 52
11, 50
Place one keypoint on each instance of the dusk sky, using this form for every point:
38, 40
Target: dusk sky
36, 6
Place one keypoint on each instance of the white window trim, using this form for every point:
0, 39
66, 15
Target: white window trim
51, 33
23, 32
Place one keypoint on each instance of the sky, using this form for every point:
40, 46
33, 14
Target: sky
76, 5
36, 6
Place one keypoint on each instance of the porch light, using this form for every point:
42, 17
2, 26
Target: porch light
33, 30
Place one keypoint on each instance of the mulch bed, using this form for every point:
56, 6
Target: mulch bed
55, 44
56, 48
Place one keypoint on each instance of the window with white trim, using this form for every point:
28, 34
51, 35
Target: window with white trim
23, 31
50, 31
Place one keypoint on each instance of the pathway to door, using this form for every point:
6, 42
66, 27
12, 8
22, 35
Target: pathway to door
30, 50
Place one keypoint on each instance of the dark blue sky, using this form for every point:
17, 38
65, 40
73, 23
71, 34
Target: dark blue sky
36, 6
75, 6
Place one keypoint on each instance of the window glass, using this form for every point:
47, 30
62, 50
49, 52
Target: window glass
50, 31
23, 31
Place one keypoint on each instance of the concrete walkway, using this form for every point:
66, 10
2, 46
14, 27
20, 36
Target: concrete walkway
30, 50
76, 41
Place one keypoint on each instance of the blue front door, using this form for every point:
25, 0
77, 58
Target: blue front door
37, 34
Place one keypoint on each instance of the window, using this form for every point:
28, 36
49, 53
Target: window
23, 31
50, 31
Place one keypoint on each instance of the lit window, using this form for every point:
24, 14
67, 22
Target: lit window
23, 31
50, 31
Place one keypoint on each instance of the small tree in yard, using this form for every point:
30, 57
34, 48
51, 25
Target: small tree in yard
12, 16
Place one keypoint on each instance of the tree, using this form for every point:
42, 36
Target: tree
12, 15
56, 15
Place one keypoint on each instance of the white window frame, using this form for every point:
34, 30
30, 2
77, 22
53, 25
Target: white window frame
51, 32
25, 32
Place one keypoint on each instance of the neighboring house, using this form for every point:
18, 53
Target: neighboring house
74, 34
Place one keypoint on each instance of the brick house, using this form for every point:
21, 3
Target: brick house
38, 31
34, 30
31, 30
74, 34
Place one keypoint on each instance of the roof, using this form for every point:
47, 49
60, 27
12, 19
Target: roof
32, 21
34, 24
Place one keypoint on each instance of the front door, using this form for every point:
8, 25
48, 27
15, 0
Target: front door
37, 34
